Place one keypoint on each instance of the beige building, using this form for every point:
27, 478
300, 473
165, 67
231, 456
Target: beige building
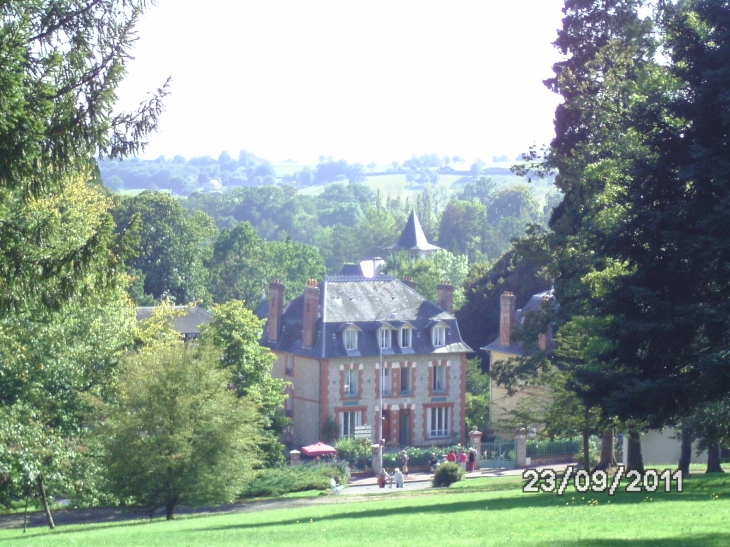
361, 350
504, 347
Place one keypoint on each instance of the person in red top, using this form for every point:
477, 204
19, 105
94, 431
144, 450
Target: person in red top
462, 459
451, 457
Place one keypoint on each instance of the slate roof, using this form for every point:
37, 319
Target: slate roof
188, 324
365, 303
412, 238
533, 305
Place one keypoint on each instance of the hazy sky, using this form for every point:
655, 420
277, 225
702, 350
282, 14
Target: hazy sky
360, 81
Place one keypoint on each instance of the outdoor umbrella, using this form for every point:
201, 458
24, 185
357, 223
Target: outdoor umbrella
318, 449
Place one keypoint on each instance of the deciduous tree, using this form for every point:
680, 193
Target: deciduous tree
176, 434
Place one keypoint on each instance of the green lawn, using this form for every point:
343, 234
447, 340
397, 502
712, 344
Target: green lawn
478, 512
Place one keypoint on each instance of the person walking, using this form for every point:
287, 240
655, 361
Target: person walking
462, 459
433, 461
472, 458
404, 462
398, 478
451, 457
383, 478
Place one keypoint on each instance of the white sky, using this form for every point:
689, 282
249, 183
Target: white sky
360, 81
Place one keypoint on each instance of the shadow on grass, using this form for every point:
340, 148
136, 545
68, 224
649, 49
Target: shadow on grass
524, 501
704, 540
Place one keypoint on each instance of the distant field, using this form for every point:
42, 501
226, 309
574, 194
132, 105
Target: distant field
396, 184
495, 512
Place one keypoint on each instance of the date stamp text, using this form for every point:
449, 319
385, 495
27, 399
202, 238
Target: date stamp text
652, 480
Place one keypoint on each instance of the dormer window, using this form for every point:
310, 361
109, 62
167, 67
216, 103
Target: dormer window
349, 337
406, 337
438, 336
384, 338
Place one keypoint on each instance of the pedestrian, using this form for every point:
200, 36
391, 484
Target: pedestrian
472, 458
404, 462
383, 477
398, 478
462, 459
433, 461
451, 457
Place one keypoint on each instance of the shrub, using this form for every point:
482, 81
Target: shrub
283, 480
447, 474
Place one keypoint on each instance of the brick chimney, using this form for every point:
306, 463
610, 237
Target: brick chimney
311, 311
408, 280
276, 305
445, 293
507, 311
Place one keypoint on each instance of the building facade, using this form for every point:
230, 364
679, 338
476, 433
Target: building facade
505, 347
359, 350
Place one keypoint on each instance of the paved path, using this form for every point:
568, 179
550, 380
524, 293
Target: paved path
360, 488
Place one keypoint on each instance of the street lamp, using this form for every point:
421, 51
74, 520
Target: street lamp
380, 394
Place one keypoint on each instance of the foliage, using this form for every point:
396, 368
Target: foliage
234, 334
243, 264
176, 434
283, 480
51, 365
479, 317
350, 448
330, 430
62, 63
430, 271
171, 248
478, 394
447, 474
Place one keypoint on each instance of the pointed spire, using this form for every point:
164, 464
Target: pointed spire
412, 238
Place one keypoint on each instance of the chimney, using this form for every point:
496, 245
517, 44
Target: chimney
311, 311
507, 310
276, 305
445, 293
408, 281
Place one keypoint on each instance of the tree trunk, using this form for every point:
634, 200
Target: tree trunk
44, 499
634, 460
713, 458
607, 455
586, 451
685, 454
25, 515
168, 510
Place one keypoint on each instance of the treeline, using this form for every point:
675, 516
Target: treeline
216, 247
638, 247
183, 176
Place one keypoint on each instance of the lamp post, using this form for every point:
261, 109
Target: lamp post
380, 406
380, 394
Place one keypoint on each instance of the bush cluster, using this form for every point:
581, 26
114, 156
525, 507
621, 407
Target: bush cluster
447, 474
283, 480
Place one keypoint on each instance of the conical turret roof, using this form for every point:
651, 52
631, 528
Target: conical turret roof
412, 238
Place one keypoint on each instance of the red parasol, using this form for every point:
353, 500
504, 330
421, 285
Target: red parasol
318, 449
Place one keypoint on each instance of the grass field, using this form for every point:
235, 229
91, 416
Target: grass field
474, 513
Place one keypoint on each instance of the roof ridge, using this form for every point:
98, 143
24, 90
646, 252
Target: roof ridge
343, 278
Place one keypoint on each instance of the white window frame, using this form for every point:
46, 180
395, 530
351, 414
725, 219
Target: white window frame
406, 337
384, 338
439, 379
349, 338
438, 336
349, 419
438, 422
350, 379
405, 372
387, 379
